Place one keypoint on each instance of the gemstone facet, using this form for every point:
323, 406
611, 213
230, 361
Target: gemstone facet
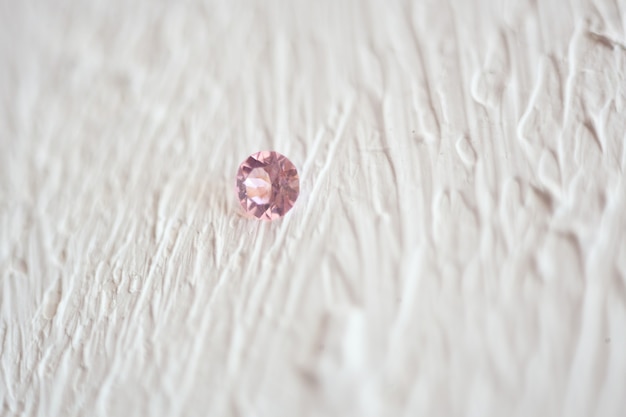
267, 185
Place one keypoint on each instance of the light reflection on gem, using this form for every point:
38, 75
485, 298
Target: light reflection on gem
267, 185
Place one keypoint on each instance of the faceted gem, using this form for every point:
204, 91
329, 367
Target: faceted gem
267, 185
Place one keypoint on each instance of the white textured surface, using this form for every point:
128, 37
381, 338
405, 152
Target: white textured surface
457, 249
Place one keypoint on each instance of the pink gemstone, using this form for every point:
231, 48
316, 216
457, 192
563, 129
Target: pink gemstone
267, 185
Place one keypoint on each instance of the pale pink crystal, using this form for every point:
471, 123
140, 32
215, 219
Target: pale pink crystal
267, 185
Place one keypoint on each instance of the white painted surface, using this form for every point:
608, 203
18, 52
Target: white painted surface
457, 249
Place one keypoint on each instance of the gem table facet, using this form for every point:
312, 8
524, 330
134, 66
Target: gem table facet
267, 185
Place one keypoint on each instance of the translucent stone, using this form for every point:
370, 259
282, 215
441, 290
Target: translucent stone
267, 185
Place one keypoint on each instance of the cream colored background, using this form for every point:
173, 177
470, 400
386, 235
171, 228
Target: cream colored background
457, 249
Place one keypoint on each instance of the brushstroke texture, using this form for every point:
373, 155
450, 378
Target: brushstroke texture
457, 248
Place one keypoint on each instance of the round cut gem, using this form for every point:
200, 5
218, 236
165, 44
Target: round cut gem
267, 185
